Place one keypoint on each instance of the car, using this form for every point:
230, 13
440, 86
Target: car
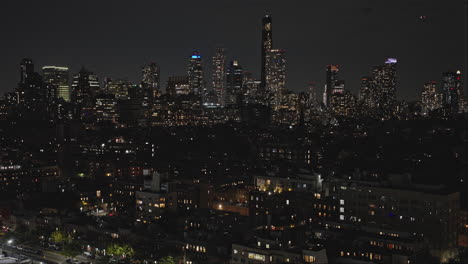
54, 246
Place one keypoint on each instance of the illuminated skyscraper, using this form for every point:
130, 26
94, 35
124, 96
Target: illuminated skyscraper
251, 88
58, 78
85, 86
151, 79
219, 75
312, 100
331, 80
267, 45
384, 83
276, 76
450, 91
342, 103
429, 97
235, 76
339, 87
195, 74
366, 95
178, 85
118, 88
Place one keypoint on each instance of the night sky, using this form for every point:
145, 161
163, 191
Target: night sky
116, 38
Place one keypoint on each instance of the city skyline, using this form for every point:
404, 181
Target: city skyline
418, 63
246, 132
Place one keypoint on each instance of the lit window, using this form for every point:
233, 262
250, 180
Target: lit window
257, 256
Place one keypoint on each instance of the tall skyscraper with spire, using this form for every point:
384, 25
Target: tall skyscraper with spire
219, 75
267, 45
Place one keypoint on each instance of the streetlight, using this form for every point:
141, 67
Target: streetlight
9, 242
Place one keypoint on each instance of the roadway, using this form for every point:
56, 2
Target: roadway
48, 256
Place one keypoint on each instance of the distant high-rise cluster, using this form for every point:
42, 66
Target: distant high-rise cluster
446, 99
233, 95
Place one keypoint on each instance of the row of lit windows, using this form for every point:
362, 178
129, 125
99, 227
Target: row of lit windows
310, 259
196, 248
370, 256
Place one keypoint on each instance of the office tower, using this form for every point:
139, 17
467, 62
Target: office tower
151, 79
106, 109
312, 100
178, 85
389, 81
251, 88
219, 75
118, 88
337, 100
58, 79
275, 76
384, 83
26, 70
30, 91
195, 74
267, 45
429, 97
342, 104
366, 94
331, 79
339, 87
450, 87
235, 80
85, 86
462, 100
